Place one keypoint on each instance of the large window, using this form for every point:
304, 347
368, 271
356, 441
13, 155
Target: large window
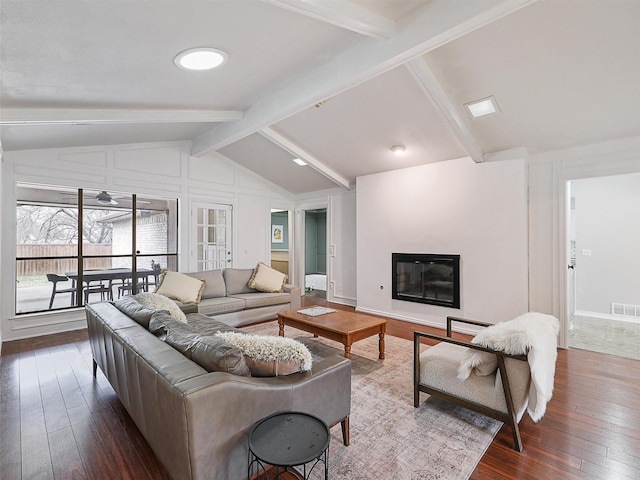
125, 241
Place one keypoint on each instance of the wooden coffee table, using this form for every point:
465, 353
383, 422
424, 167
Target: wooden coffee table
342, 326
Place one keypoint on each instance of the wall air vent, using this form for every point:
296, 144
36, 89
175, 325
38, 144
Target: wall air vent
625, 310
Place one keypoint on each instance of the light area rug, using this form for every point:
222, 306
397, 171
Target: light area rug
389, 437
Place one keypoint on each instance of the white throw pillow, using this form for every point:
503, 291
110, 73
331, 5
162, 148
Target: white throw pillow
181, 287
156, 301
270, 355
267, 279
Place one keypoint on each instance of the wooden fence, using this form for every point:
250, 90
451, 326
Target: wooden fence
40, 266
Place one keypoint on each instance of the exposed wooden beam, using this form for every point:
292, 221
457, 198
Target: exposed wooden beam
343, 14
438, 22
40, 116
302, 154
433, 90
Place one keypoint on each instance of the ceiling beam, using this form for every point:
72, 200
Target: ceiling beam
344, 14
66, 116
433, 90
437, 23
297, 151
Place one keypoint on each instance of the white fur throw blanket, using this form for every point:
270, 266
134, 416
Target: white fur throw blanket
270, 348
537, 334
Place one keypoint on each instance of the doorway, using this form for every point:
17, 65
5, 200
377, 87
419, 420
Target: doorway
212, 227
603, 283
315, 266
280, 241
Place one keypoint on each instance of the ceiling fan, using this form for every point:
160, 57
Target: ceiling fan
104, 198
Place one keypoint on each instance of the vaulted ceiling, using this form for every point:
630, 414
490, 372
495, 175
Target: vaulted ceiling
334, 82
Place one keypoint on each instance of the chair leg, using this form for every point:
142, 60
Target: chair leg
53, 294
95, 369
517, 441
345, 431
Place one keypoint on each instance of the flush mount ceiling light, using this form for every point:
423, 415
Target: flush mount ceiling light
300, 162
482, 107
200, 59
398, 149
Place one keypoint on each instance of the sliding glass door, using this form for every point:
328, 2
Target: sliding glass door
125, 241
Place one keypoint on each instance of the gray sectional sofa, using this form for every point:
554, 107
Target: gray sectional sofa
228, 298
196, 419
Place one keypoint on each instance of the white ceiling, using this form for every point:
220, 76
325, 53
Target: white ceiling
564, 73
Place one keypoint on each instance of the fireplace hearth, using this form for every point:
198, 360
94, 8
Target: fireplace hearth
428, 278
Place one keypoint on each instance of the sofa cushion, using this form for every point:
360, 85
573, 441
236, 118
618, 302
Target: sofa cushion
214, 283
261, 299
155, 301
209, 351
180, 287
268, 356
131, 307
267, 279
213, 306
205, 325
236, 280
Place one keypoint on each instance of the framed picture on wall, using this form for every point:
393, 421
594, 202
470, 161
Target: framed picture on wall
277, 232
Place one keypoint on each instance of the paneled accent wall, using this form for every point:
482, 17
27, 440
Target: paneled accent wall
158, 169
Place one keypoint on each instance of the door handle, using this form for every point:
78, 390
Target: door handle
571, 266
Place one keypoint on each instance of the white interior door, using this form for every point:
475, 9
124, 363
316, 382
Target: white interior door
212, 225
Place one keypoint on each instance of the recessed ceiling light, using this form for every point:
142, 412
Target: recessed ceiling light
300, 162
200, 58
482, 107
399, 149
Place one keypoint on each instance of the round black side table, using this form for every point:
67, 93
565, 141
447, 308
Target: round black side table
287, 440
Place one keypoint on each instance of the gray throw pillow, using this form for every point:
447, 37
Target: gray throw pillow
210, 352
214, 283
134, 309
237, 279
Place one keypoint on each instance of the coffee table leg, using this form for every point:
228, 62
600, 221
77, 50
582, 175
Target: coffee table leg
381, 345
280, 326
347, 351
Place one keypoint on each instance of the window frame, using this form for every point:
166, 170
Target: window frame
172, 241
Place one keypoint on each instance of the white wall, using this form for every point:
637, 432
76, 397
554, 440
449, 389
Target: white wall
341, 242
549, 174
476, 210
153, 169
607, 225
342, 249
3, 296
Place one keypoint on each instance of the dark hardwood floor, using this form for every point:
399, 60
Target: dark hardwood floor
57, 422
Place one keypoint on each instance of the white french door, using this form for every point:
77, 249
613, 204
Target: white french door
212, 225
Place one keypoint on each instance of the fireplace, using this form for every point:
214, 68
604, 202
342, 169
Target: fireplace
426, 278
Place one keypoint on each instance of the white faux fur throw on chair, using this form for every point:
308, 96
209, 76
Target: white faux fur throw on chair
537, 334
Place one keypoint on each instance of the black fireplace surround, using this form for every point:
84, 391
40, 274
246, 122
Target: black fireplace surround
426, 278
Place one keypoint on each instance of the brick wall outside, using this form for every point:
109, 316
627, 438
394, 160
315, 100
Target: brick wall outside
151, 235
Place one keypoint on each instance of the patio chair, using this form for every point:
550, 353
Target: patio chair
104, 289
127, 287
55, 278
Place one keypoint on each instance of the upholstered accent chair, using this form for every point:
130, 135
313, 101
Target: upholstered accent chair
492, 374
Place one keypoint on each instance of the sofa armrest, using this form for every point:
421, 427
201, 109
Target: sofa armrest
296, 293
222, 409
